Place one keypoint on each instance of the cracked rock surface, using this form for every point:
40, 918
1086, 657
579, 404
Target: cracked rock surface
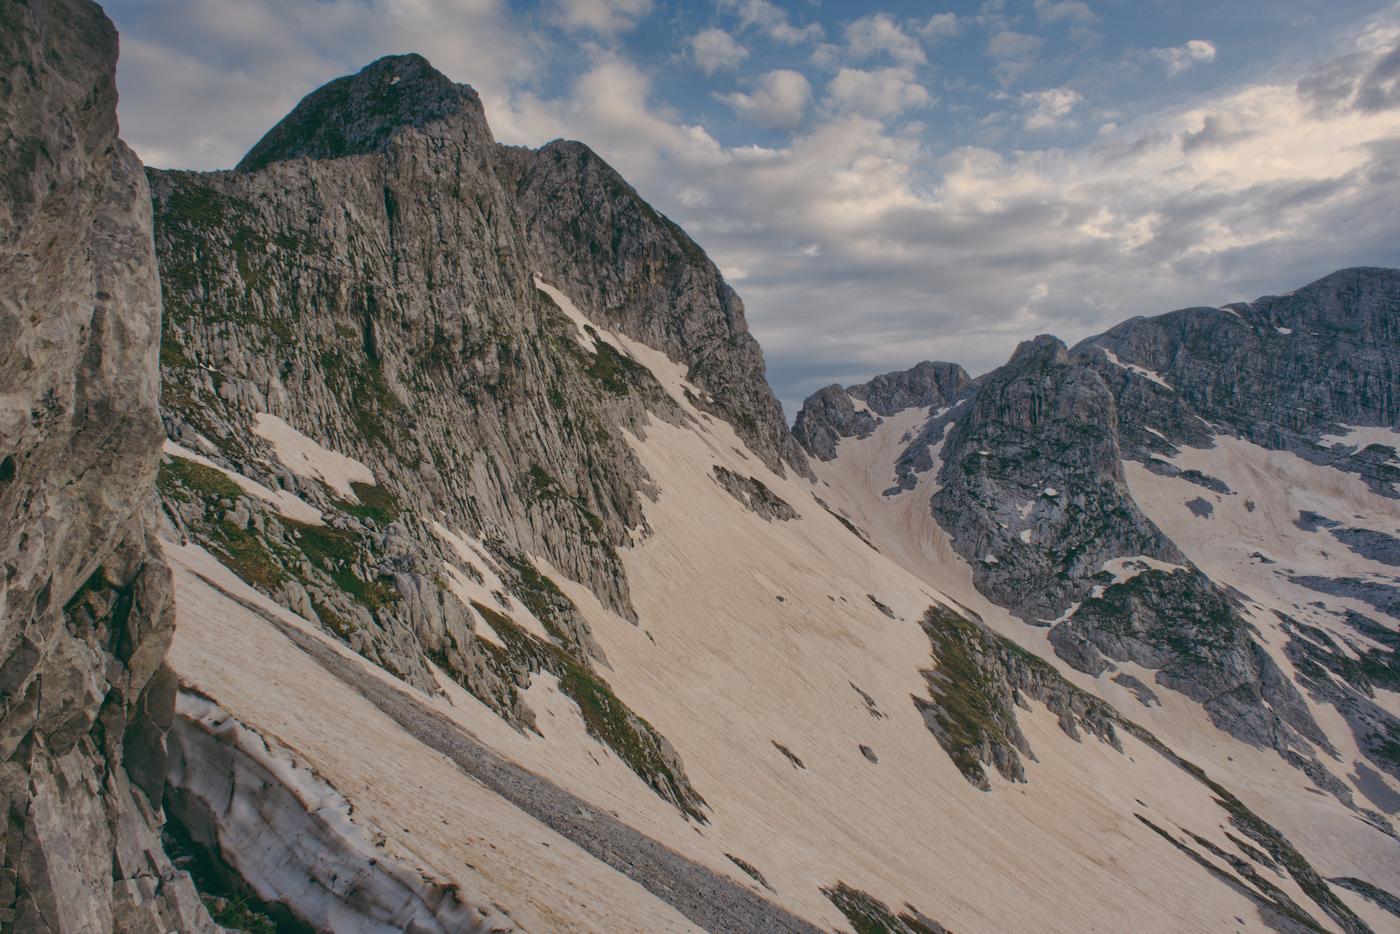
85, 613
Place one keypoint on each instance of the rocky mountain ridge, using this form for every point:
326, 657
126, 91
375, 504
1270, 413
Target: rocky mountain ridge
1284, 372
473, 394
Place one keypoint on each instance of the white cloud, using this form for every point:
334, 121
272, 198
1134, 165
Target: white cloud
1014, 54
1064, 11
715, 49
883, 92
1182, 58
880, 34
1367, 77
1050, 108
941, 26
772, 21
864, 245
1217, 129
606, 17
779, 100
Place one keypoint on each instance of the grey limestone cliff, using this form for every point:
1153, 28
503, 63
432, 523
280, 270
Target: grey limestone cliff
1033, 492
378, 274
85, 605
1282, 371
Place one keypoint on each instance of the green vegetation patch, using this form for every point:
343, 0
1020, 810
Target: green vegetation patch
193, 204
243, 550
172, 352
267, 563
541, 596
375, 502
869, 915
543, 488
972, 710
378, 415
180, 476
616, 372
335, 551
607, 718
248, 555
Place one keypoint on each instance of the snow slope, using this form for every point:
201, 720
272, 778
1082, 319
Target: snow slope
761, 643
1249, 541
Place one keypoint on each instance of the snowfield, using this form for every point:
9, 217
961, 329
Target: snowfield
755, 635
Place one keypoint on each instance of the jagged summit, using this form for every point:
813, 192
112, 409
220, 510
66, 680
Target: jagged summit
359, 113
1045, 348
831, 414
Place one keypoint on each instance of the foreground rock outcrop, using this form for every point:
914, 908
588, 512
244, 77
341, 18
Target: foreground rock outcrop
85, 611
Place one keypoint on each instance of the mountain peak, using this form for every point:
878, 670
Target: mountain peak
360, 113
1044, 348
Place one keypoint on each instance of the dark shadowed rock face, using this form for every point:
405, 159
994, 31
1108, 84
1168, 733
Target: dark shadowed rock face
85, 615
1182, 625
1282, 371
1033, 493
831, 413
827, 416
925, 385
358, 114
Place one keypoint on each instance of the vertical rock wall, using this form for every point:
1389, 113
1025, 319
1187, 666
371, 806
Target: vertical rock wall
85, 610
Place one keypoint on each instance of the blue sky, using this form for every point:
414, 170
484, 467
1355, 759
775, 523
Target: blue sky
882, 183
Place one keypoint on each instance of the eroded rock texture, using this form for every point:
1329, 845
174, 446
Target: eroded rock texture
386, 279
1033, 491
85, 614
1283, 371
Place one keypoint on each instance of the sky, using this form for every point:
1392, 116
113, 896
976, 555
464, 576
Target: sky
882, 183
